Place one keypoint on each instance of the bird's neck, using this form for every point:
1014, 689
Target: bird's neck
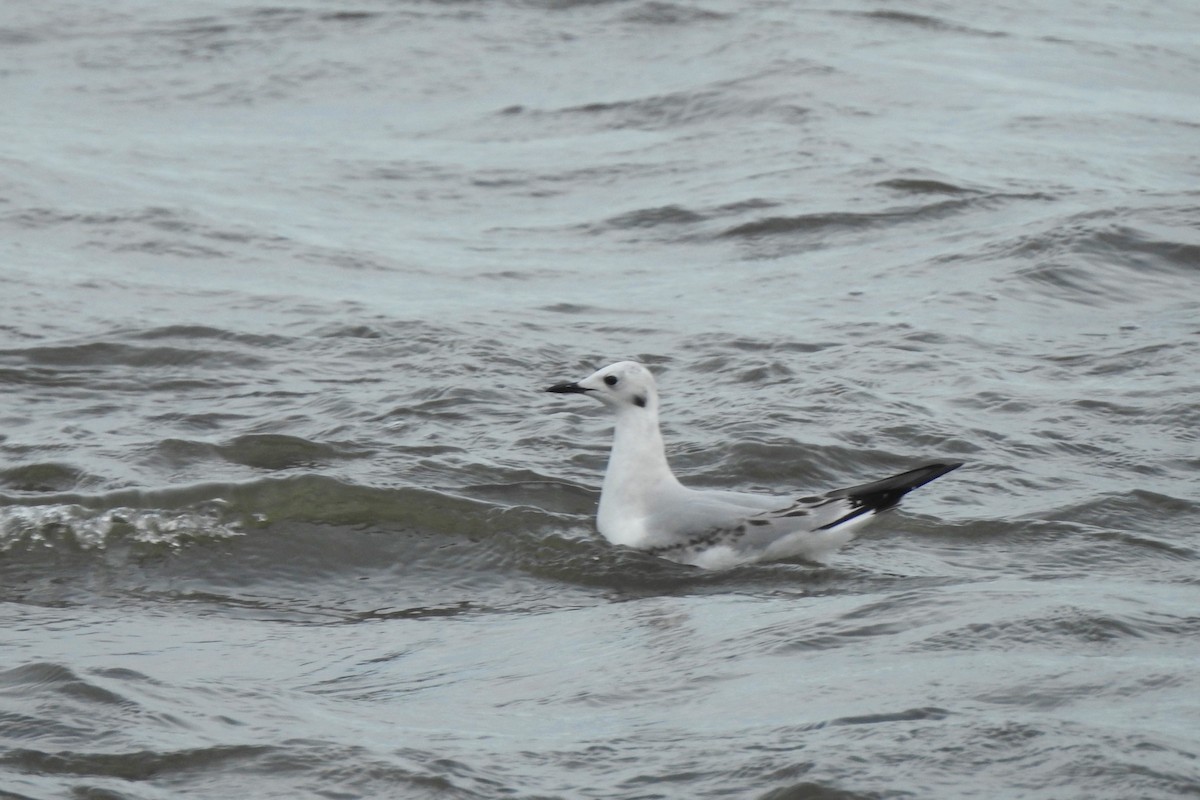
638, 465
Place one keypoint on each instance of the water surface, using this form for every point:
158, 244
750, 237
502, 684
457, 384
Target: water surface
284, 513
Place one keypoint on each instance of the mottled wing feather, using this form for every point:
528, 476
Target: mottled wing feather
714, 537
759, 530
746, 522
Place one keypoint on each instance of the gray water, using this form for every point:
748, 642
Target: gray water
283, 512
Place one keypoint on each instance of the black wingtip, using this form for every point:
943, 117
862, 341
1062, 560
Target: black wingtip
883, 494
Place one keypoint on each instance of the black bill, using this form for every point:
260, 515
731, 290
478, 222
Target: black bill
567, 388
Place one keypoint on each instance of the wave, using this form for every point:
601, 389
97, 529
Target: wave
325, 550
219, 510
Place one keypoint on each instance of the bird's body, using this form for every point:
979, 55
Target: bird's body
644, 506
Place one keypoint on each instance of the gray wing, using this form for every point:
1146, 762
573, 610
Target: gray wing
748, 522
713, 523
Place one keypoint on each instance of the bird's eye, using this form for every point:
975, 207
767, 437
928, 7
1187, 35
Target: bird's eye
611, 380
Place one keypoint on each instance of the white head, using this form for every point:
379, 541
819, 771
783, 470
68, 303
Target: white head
625, 385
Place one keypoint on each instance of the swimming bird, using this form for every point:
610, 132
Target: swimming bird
644, 506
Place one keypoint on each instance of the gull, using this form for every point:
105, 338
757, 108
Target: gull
644, 506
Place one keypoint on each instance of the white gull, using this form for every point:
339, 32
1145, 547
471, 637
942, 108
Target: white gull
644, 506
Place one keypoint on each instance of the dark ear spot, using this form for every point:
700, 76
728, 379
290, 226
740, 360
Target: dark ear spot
639, 400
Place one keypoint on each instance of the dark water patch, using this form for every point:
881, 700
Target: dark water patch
663, 13
183, 452
739, 344
46, 477
1164, 359
1142, 250
1131, 509
450, 403
655, 113
191, 333
811, 790
1101, 257
565, 5
260, 451
1106, 408
1067, 627
369, 773
123, 674
654, 217
924, 22
521, 275
924, 186
296, 766
1125, 528
35, 218
17, 36
57, 679
426, 450
1056, 692
1075, 283
910, 604
536, 491
163, 247
1069, 759
24, 728
17, 333
356, 331
277, 452
804, 223
749, 204
202, 421
349, 16
396, 342
423, 510
51, 704
1051, 550
820, 224
418, 612
765, 373
143, 765
994, 401
154, 229
106, 354
908, 715
235, 35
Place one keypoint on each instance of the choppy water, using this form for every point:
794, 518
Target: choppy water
284, 514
